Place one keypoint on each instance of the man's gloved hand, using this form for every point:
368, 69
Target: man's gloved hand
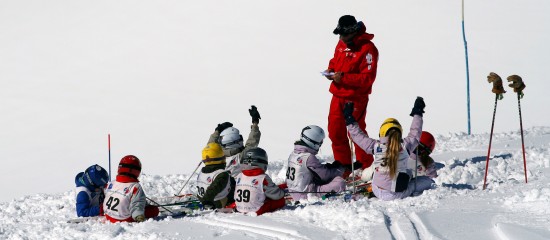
419, 106
254, 114
348, 113
223, 126
140, 218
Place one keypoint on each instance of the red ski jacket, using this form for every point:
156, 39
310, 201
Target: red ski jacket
358, 63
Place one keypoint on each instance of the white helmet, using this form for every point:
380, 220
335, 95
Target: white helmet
231, 138
313, 136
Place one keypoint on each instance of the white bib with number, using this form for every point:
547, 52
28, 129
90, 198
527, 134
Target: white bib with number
298, 176
205, 179
249, 193
117, 199
234, 165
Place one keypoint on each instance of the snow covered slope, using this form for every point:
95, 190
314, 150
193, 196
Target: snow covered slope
456, 209
160, 75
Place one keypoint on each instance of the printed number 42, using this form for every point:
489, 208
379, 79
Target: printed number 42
110, 204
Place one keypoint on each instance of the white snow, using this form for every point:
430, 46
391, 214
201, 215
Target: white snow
456, 209
160, 75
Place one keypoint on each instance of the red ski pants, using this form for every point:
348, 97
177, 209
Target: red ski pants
338, 133
271, 205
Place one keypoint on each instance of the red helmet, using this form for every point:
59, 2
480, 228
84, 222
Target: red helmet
427, 140
129, 166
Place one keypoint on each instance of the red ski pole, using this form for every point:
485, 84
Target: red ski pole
522, 142
499, 91
518, 86
109, 146
490, 142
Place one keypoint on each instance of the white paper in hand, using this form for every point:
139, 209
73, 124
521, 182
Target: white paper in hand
327, 73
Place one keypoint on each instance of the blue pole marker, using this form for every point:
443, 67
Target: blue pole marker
467, 71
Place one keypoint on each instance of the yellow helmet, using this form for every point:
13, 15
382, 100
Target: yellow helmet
213, 154
389, 124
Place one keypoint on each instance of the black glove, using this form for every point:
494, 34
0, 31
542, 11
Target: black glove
254, 114
357, 165
419, 106
333, 165
223, 126
348, 113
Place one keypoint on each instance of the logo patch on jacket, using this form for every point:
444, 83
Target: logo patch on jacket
255, 182
209, 179
300, 161
126, 190
369, 61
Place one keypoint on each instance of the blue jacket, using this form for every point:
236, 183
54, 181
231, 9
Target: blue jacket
88, 198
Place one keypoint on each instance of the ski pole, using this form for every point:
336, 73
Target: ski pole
313, 192
352, 168
416, 166
490, 141
522, 142
158, 205
109, 145
188, 179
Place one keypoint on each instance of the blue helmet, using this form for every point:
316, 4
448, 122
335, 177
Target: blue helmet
95, 175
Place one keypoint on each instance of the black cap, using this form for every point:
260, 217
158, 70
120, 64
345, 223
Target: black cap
346, 25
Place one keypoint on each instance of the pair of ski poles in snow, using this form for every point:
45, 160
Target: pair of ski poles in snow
518, 86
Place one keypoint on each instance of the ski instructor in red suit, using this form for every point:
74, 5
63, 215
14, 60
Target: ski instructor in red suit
352, 71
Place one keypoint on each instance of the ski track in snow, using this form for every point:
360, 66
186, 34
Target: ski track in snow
456, 209
268, 231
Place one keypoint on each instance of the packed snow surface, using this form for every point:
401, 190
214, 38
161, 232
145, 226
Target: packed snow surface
456, 208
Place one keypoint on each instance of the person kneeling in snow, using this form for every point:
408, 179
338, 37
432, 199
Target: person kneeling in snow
426, 165
255, 191
125, 199
305, 174
214, 182
89, 191
391, 178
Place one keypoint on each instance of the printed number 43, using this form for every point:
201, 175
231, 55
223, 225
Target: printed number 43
290, 172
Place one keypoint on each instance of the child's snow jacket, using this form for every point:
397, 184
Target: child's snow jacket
381, 176
253, 186
124, 200
88, 198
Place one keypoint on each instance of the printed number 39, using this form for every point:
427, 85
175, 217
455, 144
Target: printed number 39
243, 196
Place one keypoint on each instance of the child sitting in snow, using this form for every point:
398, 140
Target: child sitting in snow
214, 182
89, 191
255, 191
391, 178
125, 200
305, 174
232, 141
426, 165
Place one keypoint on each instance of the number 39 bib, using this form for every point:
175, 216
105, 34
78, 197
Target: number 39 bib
249, 193
117, 199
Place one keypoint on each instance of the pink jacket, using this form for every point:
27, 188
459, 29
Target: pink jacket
382, 179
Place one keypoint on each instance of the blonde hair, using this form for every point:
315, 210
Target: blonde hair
392, 152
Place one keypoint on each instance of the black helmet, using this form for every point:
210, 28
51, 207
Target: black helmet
255, 157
